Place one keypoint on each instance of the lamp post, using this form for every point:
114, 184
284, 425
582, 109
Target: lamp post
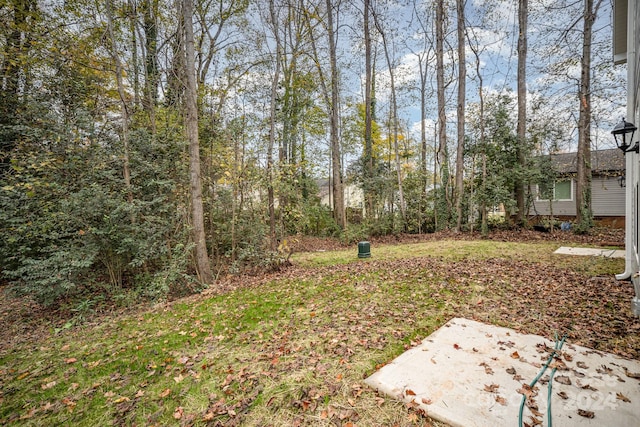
622, 130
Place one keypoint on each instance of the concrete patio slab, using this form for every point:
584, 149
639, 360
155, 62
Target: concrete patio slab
607, 253
469, 374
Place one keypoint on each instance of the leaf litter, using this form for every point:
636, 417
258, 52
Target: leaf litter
292, 347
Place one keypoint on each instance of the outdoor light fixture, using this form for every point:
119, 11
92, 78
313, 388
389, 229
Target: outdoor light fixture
622, 181
624, 129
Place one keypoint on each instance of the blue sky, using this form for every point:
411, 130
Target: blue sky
497, 41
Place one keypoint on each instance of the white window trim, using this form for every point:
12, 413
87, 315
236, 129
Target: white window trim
554, 193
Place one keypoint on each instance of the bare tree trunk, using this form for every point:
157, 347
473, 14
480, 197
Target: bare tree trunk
435, 177
273, 241
584, 212
523, 11
442, 155
191, 124
132, 12
339, 212
368, 114
484, 227
393, 118
462, 76
423, 63
150, 11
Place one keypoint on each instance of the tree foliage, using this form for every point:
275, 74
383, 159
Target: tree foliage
94, 157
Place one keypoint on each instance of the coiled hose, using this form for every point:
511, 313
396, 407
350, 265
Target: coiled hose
557, 348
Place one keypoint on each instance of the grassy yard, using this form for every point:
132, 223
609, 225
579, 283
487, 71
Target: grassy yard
292, 348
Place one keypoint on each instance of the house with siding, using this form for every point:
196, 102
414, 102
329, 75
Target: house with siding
607, 188
626, 39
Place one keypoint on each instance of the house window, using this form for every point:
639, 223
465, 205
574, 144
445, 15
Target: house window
561, 191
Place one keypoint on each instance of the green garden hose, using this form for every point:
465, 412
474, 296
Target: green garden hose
557, 347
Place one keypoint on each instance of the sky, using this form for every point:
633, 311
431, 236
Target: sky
496, 37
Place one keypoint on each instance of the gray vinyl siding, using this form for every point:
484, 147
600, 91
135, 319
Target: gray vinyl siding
607, 199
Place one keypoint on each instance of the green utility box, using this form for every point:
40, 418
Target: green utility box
364, 250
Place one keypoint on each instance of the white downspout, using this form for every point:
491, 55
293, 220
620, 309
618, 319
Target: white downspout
631, 159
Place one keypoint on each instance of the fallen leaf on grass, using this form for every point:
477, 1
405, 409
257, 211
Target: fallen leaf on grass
28, 415
70, 360
177, 414
70, 404
48, 385
165, 393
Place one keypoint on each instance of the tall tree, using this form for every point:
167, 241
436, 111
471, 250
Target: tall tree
272, 127
191, 125
368, 113
424, 54
151, 70
442, 157
462, 88
393, 130
523, 10
339, 211
584, 213
330, 93
482, 141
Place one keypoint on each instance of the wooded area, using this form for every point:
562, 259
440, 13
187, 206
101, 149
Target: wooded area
148, 146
